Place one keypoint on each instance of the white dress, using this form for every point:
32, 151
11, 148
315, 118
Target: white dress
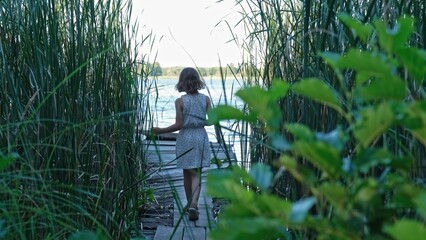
192, 142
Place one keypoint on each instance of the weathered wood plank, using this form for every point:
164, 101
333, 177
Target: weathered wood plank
166, 233
194, 233
206, 217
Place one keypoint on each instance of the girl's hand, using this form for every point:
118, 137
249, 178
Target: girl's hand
155, 130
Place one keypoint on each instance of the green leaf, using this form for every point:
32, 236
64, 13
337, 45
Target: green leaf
392, 39
363, 31
223, 112
389, 88
264, 104
371, 157
322, 155
406, 230
278, 89
334, 193
319, 91
279, 142
367, 63
249, 228
331, 58
362, 77
303, 174
336, 138
87, 235
261, 216
7, 160
3, 229
300, 131
367, 193
415, 120
405, 194
227, 184
372, 122
253, 96
260, 205
420, 202
300, 209
414, 60
262, 175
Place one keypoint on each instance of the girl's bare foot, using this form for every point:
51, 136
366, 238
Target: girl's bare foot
192, 214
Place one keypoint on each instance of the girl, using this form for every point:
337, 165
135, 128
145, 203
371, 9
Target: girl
192, 143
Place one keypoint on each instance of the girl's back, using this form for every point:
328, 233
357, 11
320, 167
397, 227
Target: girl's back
194, 110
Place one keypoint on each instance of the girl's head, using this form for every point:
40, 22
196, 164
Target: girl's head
189, 81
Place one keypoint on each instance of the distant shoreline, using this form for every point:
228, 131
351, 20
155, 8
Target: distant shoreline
173, 77
207, 73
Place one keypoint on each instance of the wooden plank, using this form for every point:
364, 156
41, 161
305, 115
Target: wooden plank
194, 233
205, 218
166, 233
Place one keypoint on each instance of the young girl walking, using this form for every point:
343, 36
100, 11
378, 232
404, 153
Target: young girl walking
192, 143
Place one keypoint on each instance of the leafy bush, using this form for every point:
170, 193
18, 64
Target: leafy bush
359, 186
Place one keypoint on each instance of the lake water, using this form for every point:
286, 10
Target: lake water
220, 92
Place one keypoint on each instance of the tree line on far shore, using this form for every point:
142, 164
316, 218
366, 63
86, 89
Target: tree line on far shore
157, 70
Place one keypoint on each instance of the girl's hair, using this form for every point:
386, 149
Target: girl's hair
189, 81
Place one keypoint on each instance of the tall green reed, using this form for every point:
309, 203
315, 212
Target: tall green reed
71, 107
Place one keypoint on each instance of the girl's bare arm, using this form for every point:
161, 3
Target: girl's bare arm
209, 105
178, 120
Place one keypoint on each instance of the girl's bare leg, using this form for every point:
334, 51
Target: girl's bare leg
192, 185
196, 186
192, 182
187, 185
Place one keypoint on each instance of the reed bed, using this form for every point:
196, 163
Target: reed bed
73, 100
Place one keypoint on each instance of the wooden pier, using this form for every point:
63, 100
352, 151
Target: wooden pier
167, 182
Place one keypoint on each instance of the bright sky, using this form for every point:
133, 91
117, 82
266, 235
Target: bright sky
191, 29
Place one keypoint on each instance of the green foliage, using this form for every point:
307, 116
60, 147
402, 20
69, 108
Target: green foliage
7, 160
358, 189
88, 235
